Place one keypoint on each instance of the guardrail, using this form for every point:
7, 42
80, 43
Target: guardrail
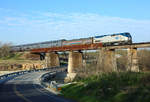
47, 82
14, 74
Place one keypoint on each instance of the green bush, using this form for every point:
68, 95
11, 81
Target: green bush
112, 87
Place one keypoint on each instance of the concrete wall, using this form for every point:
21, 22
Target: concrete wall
75, 61
52, 59
132, 64
106, 61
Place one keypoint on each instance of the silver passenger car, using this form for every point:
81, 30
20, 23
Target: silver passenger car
47, 44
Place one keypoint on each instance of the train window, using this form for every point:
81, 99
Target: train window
97, 40
113, 35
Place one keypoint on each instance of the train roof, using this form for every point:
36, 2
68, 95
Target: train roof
125, 34
38, 43
79, 39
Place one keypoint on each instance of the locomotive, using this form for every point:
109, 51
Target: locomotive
113, 39
106, 40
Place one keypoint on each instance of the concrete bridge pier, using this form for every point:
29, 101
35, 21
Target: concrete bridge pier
106, 61
74, 63
132, 64
52, 59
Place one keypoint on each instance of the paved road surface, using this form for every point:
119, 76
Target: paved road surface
25, 88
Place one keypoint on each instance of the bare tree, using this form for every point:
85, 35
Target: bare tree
144, 59
4, 49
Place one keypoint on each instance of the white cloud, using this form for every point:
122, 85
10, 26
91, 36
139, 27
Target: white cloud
50, 26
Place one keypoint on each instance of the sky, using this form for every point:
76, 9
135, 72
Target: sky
30, 21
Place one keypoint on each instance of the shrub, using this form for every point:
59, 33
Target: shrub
5, 50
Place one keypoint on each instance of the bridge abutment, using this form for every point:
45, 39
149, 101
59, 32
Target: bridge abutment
132, 64
107, 61
75, 62
52, 59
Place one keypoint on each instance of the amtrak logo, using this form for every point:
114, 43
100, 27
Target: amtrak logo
116, 38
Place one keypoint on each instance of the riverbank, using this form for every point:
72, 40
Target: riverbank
112, 87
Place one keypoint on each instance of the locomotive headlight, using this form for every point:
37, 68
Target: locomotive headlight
129, 38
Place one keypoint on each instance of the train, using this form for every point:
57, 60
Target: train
113, 39
106, 40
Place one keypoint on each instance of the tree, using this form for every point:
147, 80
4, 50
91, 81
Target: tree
4, 49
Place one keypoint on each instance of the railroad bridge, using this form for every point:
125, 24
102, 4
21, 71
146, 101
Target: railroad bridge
106, 59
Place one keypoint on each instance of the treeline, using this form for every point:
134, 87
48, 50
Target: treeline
143, 59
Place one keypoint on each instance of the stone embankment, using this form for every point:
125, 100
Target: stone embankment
32, 66
21, 66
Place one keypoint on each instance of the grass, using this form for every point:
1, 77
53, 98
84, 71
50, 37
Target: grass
16, 58
13, 56
112, 87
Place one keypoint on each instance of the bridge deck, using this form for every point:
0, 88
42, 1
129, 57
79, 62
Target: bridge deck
91, 47
69, 48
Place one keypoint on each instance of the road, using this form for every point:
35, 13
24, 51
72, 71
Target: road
26, 88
